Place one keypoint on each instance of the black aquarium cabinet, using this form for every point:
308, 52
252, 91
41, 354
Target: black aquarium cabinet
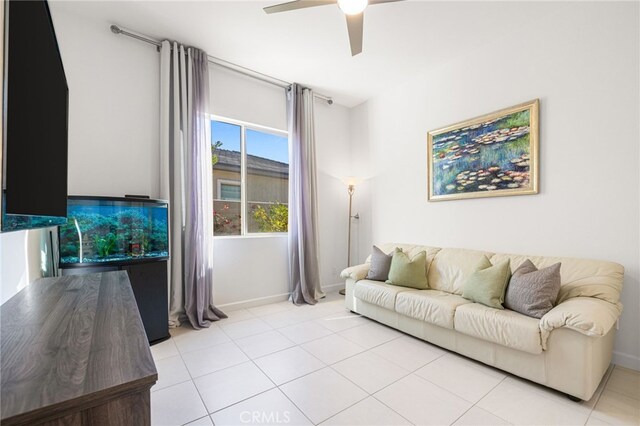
149, 284
122, 234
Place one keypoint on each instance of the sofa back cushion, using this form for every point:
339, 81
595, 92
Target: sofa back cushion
448, 269
451, 268
579, 277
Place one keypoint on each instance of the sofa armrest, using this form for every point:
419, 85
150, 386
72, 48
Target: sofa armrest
356, 273
586, 315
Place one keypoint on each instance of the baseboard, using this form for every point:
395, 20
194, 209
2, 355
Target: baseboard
626, 360
332, 287
251, 303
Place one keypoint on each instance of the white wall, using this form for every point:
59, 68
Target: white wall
113, 107
20, 261
583, 64
114, 143
14, 274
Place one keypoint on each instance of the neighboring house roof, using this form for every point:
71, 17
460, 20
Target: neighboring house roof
230, 160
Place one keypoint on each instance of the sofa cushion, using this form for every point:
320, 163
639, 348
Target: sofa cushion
433, 306
504, 327
377, 293
488, 284
450, 268
533, 292
380, 264
408, 272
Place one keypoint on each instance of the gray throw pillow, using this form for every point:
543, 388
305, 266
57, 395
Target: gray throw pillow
533, 292
380, 264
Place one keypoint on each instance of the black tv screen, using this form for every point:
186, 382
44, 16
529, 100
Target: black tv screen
36, 114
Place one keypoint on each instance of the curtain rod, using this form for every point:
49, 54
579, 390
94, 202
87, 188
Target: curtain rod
221, 62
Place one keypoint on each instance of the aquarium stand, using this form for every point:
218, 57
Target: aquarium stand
149, 282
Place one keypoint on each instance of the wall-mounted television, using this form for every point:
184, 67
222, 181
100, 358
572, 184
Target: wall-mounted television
35, 119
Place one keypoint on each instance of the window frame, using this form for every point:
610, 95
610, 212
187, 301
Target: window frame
244, 125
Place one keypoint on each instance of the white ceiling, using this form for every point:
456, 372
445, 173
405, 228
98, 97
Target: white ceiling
401, 40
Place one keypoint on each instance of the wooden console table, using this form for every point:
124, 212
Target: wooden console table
74, 352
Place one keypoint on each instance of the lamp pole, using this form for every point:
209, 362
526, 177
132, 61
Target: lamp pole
350, 189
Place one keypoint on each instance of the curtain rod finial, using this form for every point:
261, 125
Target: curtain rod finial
115, 29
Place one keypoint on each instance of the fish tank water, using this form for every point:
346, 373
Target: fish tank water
103, 230
16, 222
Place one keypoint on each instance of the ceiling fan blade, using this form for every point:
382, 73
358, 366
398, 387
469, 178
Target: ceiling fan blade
382, 1
298, 4
355, 27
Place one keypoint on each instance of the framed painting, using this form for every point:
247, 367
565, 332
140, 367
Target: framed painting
489, 156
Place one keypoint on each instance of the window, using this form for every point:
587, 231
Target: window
228, 190
250, 178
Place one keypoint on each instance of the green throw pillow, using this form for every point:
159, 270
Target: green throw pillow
488, 284
408, 272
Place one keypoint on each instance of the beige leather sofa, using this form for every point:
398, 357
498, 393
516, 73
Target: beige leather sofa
569, 349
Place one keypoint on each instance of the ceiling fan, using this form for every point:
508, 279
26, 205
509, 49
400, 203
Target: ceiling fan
353, 10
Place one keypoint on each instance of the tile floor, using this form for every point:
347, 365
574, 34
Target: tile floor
288, 365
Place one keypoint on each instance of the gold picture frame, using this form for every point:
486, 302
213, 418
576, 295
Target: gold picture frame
493, 155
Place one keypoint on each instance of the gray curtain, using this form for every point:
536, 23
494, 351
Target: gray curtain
185, 180
304, 274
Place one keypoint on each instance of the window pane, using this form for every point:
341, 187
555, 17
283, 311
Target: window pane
267, 181
229, 191
226, 157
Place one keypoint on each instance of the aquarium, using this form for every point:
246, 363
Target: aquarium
103, 230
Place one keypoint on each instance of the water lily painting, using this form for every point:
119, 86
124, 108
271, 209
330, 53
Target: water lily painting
488, 156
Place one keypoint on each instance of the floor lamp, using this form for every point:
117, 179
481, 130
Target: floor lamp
350, 189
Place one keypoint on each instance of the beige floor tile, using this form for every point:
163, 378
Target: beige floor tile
461, 376
322, 394
288, 364
232, 385
368, 412
212, 359
193, 340
235, 316
171, 371
342, 321
421, 402
269, 408
164, 349
617, 409
370, 371
332, 348
409, 352
176, 405
264, 344
370, 335
625, 382
594, 421
240, 329
522, 404
304, 332
204, 421
478, 417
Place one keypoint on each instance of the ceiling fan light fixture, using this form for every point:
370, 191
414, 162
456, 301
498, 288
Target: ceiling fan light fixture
353, 7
